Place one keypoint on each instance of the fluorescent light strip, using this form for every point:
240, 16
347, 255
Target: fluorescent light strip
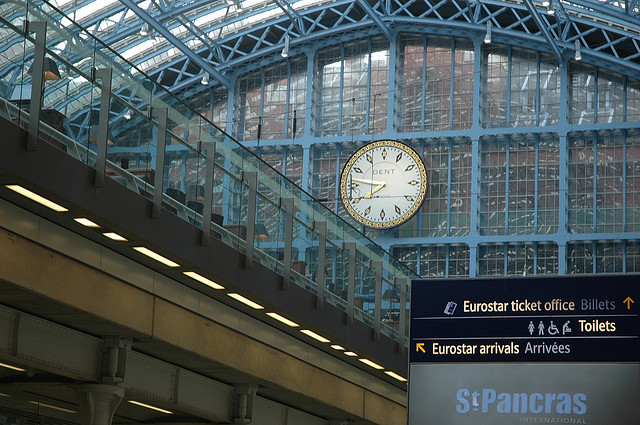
50, 406
148, 406
155, 256
4, 395
86, 222
370, 363
338, 347
395, 376
282, 319
8, 366
36, 198
203, 280
115, 236
245, 301
350, 354
314, 335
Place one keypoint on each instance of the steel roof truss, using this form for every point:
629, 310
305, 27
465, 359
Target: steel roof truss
375, 18
545, 31
177, 43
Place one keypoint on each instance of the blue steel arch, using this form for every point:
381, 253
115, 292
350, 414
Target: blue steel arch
238, 40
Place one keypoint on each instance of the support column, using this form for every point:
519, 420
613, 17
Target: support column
98, 402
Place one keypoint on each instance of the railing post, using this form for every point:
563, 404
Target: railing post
251, 177
161, 143
210, 164
377, 268
37, 80
103, 74
287, 204
351, 248
321, 227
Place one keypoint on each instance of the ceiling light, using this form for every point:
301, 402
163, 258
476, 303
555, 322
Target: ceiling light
350, 354
338, 347
395, 376
314, 335
282, 319
127, 115
545, 3
155, 256
203, 280
148, 406
114, 236
145, 30
205, 79
285, 50
86, 222
36, 198
245, 301
4, 395
50, 406
487, 37
578, 54
370, 363
8, 366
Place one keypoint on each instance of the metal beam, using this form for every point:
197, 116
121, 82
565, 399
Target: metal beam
545, 31
295, 17
177, 43
375, 18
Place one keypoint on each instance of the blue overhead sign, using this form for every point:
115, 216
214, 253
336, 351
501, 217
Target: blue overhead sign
528, 319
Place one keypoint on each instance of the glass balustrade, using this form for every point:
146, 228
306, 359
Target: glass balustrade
292, 233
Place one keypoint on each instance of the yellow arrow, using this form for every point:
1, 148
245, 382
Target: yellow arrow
420, 347
628, 301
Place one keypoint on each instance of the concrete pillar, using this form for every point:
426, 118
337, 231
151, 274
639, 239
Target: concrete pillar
98, 402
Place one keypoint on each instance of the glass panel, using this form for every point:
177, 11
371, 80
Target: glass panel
493, 181
249, 107
407, 255
548, 190
524, 82
632, 165
549, 93
329, 74
581, 183
581, 93
433, 261
495, 67
410, 82
297, 97
522, 185
610, 97
547, 258
609, 257
609, 203
463, 75
354, 88
438, 84
379, 90
633, 257
633, 100
579, 257
520, 259
458, 261
491, 260
434, 210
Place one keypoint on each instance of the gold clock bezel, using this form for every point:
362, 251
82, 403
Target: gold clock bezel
416, 205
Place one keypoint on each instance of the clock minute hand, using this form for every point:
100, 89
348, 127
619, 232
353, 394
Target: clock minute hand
375, 189
366, 181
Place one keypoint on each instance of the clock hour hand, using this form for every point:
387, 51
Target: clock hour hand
375, 189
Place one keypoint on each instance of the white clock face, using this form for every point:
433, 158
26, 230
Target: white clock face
383, 184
